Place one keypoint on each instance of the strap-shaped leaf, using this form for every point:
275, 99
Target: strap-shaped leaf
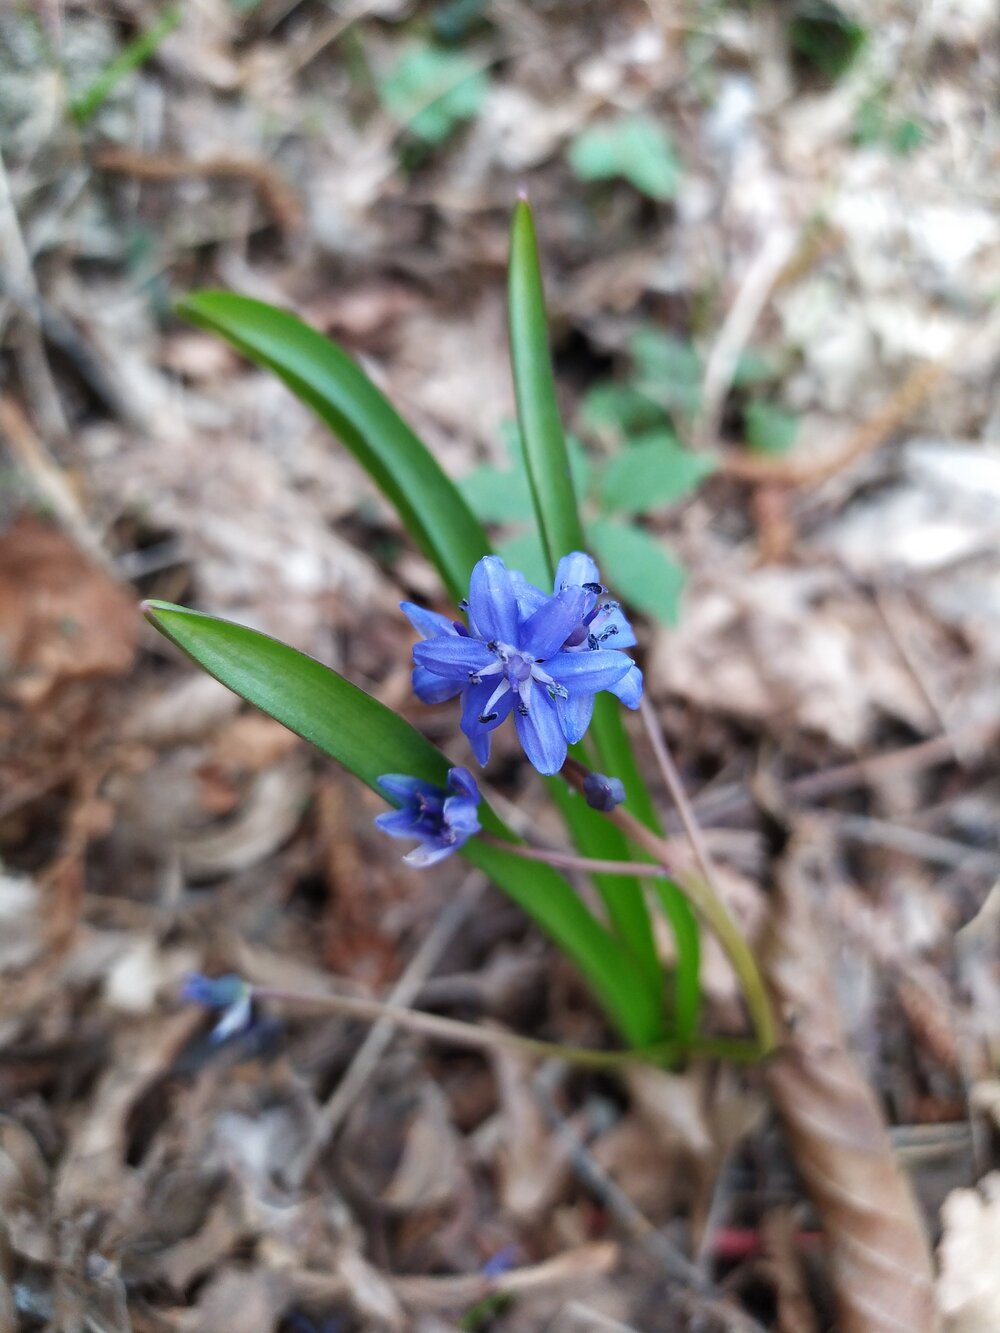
324, 376
547, 462
369, 740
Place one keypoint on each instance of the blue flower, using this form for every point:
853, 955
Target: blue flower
604, 624
518, 654
230, 993
440, 819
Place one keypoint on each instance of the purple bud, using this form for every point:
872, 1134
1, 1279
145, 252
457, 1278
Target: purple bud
603, 793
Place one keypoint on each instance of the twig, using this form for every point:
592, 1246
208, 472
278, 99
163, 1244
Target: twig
274, 193
34, 365
759, 280
494, 1038
51, 486
675, 786
403, 994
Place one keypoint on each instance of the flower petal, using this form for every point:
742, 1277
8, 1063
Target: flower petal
629, 688
428, 623
402, 786
545, 632
455, 659
429, 853
433, 689
541, 734
474, 700
461, 781
529, 598
614, 619
492, 600
460, 816
588, 672
575, 569
574, 715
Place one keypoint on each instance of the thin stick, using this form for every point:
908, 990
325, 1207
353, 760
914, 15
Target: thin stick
369, 1053
588, 865
494, 1038
672, 778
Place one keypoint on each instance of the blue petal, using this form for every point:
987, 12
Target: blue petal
492, 601
575, 569
614, 618
433, 689
460, 816
588, 672
455, 659
629, 688
427, 623
545, 632
461, 781
397, 823
541, 734
574, 715
474, 700
402, 786
429, 853
529, 598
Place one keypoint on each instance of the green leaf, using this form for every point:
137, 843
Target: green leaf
636, 148
324, 376
637, 566
826, 37
655, 470
369, 740
668, 370
430, 90
498, 496
770, 429
753, 368
619, 410
542, 437
132, 57
524, 552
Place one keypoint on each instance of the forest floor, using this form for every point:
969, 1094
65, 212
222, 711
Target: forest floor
776, 223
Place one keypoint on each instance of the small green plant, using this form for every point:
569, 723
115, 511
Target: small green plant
770, 429
132, 57
431, 90
633, 148
553, 666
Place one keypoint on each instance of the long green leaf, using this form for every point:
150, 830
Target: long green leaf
542, 435
324, 376
547, 461
370, 740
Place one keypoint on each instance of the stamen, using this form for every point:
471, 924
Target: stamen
495, 697
595, 588
463, 604
592, 642
522, 708
609, 633
488, 717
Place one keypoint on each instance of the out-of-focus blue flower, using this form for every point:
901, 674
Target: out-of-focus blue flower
519, 653
229, 993
501, 1262
603, 793
441, 819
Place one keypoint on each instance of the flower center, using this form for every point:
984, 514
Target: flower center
518, 671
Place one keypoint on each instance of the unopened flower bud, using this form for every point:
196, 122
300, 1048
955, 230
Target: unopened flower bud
603, 793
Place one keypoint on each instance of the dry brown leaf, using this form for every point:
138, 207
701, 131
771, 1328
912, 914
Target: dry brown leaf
879, 1257
61, 617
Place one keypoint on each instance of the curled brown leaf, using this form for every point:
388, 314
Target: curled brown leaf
880, 1262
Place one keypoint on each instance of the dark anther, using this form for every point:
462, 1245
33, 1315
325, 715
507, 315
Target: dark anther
591, 641
475, 678
595, 588
488, 717
492, 645
463, 604
609, 633
523, 709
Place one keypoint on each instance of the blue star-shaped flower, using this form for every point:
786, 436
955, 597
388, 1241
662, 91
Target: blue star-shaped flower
537, 656
441, 820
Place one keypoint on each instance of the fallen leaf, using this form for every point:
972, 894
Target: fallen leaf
879, 1257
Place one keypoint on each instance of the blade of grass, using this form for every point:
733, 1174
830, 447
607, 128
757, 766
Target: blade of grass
369, 740
132, 57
